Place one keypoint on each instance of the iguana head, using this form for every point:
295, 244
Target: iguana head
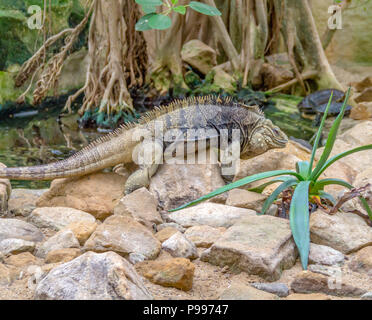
264, 136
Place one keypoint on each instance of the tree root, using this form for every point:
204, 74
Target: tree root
31, 65
311, 74
53, 69
122, 61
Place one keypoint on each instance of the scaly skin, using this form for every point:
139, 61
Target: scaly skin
257, 135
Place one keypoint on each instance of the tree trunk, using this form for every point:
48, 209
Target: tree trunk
118, 58
166, 71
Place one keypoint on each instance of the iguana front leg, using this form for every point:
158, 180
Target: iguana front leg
148, 155
230, 161
5, 191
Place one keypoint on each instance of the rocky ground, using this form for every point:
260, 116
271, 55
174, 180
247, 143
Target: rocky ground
81, 239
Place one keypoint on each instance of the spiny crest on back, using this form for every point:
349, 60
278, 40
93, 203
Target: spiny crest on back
184, 103
174, 105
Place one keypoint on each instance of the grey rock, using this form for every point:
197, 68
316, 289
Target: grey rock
311, 282
176, 184
18, 229
204, 236
58, 218
140, 205
136, 258
15, 246
367, 296
93, 276
324, 270
260, 245
325, 255
172, 225
179, 246
343, 231
23, 201
211, 214
124, 235
246, 199
362, 261
280, 289
61, 240
198, 55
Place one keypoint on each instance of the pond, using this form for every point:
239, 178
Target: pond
31, 138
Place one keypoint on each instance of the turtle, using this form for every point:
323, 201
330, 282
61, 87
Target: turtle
309, 104
334, 110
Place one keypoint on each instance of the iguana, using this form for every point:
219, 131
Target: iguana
122, 146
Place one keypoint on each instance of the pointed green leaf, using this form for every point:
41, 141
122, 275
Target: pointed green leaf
262, 187
299, 220
239, 183
302, 168
276, 192
204, 8
319, 133
331, 138
160, 22
341, 155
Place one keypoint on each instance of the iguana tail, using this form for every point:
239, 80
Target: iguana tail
103, 153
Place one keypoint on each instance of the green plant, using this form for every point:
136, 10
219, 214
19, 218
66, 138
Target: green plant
304, 182
161, 21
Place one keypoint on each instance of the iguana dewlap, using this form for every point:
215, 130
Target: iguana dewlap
208, 116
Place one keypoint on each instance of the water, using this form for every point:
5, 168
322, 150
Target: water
34, 139
287, 117
37, 138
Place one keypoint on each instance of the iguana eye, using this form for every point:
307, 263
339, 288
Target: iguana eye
276, 131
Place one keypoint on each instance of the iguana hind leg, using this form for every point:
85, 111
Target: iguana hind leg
148, 154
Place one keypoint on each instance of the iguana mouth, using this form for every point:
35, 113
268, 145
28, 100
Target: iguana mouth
281, 142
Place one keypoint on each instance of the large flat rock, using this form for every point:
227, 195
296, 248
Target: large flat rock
210, 214
141, 205
61, 240
176, 184
179, 246
96, 193
18, 229
58, 218
343, 231
324, 255
310, 282
23, 201
15, 246
93, 276
123, 235
198, 55
259, 245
